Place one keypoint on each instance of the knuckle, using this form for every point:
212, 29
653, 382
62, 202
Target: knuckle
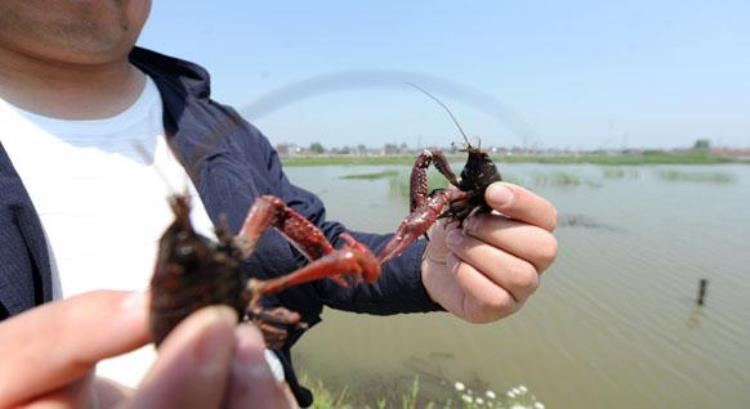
547, 251
492, 309
526, 279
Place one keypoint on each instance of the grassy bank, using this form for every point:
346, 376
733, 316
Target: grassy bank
463, 397
644, 158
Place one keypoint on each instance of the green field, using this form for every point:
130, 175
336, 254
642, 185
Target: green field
645, 158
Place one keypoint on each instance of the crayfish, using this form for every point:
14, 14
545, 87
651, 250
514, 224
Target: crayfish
193, 272
456, 204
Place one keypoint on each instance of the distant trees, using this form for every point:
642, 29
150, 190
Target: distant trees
317, 147
702, 144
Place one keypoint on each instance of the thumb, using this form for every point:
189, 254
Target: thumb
193, 367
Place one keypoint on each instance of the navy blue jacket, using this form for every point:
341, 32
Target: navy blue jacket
231, 164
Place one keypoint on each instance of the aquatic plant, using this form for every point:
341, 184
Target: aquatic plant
673, 175
372, 176
616, 172
613, 173
399, 183
555, 179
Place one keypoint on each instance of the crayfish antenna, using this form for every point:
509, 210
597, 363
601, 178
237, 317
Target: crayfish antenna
148, 158
445, 107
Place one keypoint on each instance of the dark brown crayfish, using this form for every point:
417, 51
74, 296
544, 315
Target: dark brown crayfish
192, 272
456, 204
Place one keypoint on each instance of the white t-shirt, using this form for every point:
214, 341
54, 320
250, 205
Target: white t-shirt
102, 206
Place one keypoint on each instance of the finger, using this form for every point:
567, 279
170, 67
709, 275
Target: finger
520, 204
60, 342
252, 383
483, 300
517, 276
73, 395
192, 370
437, 250
527, 242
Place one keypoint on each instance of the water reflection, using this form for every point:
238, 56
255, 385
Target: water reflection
695, 317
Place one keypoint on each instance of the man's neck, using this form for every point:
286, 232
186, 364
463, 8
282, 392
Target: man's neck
68, 91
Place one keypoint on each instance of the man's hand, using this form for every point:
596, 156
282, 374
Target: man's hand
50, 352
487, 270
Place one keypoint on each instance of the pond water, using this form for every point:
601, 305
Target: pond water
614, 323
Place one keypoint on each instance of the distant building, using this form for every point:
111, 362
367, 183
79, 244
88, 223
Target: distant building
289, 149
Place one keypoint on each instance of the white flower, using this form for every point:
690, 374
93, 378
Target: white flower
522, 389
480, 401
518, 406
466, 398
538, 405
490, 395
511, 394
459, 386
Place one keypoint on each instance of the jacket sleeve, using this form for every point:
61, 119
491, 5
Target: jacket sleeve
399, 289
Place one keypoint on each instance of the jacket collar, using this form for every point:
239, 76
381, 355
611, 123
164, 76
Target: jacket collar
195, 125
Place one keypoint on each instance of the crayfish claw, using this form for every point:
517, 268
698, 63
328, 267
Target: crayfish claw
275, 324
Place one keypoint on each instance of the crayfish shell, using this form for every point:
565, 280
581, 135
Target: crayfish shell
191, 273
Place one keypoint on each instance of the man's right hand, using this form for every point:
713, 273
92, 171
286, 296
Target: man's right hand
49, 354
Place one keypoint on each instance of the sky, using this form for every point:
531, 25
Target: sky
543, 74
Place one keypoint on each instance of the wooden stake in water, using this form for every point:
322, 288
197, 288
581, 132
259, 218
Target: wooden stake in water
702, 285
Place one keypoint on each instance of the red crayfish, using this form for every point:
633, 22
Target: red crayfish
192, 272
456, 204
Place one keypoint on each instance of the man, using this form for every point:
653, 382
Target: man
74, 94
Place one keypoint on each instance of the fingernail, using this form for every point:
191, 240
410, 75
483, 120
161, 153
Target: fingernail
216, 343
135, 304
454, 238
499, 195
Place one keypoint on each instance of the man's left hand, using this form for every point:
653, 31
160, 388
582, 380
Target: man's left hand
488, 269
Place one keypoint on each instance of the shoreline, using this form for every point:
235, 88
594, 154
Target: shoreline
646, 158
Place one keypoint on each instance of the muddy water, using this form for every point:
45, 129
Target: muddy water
614, 324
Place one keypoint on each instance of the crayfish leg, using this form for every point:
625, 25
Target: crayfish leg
275, 324
270, 211
418, 183
417, 223
356, 262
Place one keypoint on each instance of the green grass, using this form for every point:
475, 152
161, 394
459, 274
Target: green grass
613, 173
398, 183
462, 398
371, 176
694, 176
621, 159
597, 158
325, 160
324, 397
618, 172
556, 179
